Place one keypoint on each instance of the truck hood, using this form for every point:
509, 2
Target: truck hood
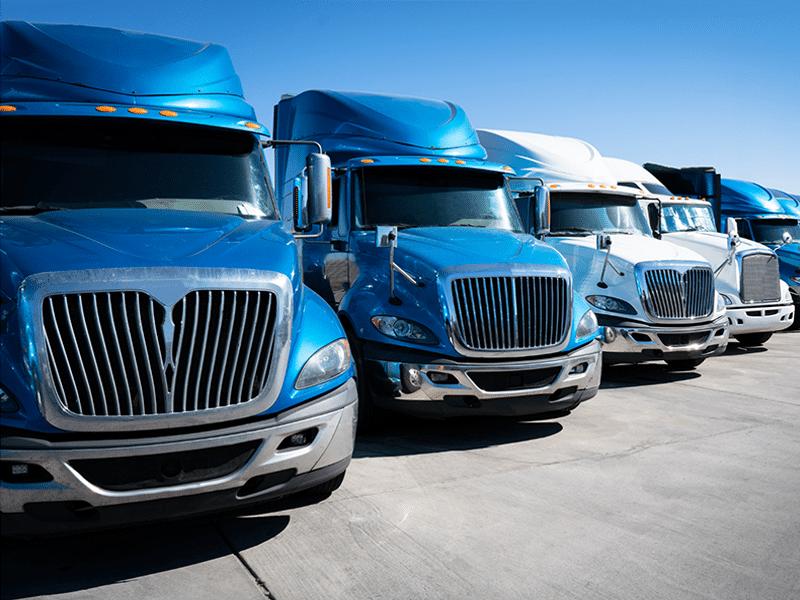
712, 246
426, 250
626, 250
114, 238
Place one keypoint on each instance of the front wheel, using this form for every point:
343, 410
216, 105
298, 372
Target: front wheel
370, 416
684, 364
753, 339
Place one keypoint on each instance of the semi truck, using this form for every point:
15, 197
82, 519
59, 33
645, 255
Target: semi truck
760, 215
161, 356
763, 216
654, 300
746, 273
450, 307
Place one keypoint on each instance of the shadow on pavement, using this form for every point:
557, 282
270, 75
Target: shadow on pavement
404, 435
632, 375
50, 566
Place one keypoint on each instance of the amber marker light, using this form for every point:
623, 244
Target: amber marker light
461, 162
443, 160
137, 111
367, 160
253, 125
591, 185
168, 113
553, 185
7, 108
509, 169
105, 109
425, 160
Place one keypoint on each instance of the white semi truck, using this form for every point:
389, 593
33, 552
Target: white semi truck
746, 273
655, 300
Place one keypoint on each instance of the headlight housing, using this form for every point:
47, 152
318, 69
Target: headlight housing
587, 325
326, 363
726, 301
611, 304
403, 329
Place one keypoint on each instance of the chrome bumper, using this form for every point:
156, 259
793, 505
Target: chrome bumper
333, 416
622, 344
450, 389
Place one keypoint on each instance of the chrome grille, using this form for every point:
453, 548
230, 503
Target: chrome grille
123, 354
760, 278
672, 294
511, 313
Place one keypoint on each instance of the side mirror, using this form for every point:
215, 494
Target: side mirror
541, 215
319, 188
731, 227
786, 237
654, 216
603, 241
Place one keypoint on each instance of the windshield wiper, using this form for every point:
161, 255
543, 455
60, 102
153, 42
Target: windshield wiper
569, 230
30, 209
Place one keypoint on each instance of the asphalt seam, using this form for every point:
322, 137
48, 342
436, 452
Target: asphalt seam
258, 581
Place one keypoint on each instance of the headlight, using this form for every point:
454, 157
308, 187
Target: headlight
796, 279
611, 304
587, 325
403, 329
327, 363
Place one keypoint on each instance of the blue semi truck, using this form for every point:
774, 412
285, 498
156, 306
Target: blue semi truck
160, 353
450, 307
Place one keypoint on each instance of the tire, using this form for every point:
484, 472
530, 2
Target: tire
370, 416
684, 364
753, 339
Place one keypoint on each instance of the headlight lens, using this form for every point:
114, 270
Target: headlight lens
326, 363
722, 301
611, 304
795, 279
403, 329
587, 325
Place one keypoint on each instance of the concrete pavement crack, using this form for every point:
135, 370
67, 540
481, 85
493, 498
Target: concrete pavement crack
262, 586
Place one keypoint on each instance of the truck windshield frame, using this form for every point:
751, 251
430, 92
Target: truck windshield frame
686, 217
71, 163
411, 196
586, 213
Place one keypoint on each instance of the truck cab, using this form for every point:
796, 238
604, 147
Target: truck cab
745, 272
655, 300
765, 217
161, 355
450, 307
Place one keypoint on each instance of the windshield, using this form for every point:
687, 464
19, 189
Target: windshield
433, 197
683, 217
57, 164
656, 188
770, 231
579, 213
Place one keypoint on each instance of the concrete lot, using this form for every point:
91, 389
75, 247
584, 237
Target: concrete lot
664, 486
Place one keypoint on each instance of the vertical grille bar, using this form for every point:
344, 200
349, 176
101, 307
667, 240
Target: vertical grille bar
671, 294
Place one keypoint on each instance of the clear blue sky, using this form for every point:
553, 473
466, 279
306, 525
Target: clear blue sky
676, 83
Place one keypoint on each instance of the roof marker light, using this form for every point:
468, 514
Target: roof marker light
137, 111
253, 125
106, 109
425, 160
7, 108
602, 186
168, 113
367, 160
553, 185
591, 185
461, 162
443, 160
509, 169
